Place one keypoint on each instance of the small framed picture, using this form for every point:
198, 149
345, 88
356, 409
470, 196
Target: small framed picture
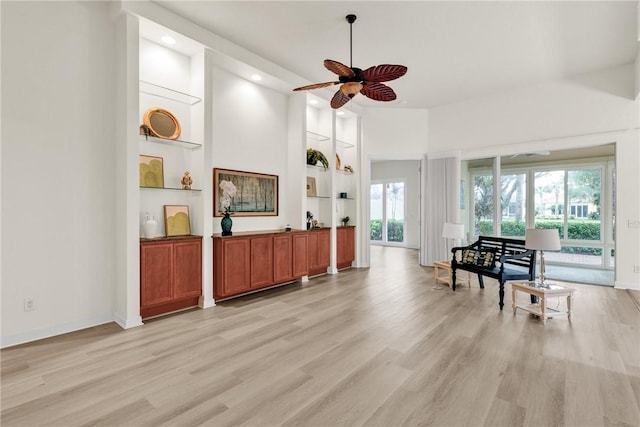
311, 187
176, 220
151, 171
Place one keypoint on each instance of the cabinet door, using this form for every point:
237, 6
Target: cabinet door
282, 258
324, 249
187, 271
156, 265
261, 261
318, 252
345, 246
235, 266
300, 255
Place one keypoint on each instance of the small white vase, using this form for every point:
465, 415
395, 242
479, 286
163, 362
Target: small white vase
149, 227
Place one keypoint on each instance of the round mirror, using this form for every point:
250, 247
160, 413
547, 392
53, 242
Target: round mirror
162, 123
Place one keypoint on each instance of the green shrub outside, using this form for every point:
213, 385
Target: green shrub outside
395, 230
577, 230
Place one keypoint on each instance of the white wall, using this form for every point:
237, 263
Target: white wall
587, 110
407, 170
388, 132
250, 134
58, 165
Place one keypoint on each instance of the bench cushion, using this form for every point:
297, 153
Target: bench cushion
483, 258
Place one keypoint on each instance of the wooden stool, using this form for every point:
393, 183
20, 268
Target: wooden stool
446, 279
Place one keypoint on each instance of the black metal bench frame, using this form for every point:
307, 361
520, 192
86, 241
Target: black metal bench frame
509, 252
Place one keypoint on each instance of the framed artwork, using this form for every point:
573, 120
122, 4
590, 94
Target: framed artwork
256, 193
151, 171
311, 187
176, 220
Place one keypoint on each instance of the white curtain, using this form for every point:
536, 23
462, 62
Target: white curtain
442, 204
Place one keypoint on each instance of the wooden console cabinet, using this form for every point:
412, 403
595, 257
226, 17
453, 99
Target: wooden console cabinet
246, 262
170, 274
346, 249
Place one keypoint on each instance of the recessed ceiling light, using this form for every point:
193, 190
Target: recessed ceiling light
313, 101
256, 77
340, 113
168, 40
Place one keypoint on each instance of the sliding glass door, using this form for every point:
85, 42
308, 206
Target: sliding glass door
388, 209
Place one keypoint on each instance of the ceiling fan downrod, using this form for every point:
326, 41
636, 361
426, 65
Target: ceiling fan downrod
351, 19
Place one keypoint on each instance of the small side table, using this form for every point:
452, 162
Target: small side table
446, 279
541, 308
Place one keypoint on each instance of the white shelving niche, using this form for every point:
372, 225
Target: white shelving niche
337, 137
171, 80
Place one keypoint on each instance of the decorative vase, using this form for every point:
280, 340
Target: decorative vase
149, 226
226, 224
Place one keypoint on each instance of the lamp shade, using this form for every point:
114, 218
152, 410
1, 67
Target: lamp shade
453, 231
542, 239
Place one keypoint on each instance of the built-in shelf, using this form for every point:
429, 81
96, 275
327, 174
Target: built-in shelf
318, 197
344, 144
170, 188
313, 136
173, 142
316, 136
342, 171
345, 198
166, 93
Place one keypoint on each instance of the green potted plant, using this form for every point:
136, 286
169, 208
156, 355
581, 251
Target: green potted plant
315, 156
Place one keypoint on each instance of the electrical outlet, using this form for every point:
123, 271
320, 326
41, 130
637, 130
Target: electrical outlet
29, 304
633, 223
636, 268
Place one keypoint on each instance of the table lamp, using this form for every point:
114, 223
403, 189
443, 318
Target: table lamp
453, 231
542, 239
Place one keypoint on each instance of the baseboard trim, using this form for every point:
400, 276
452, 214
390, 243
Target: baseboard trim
39, 334
627, 285
206, 303
127, 323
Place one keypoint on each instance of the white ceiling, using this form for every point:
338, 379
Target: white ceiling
453, 50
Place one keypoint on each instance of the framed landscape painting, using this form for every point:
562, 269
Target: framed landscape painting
256, 193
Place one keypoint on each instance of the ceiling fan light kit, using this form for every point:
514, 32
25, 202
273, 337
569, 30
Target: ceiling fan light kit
354, 80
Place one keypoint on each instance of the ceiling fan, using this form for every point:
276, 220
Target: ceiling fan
355, 80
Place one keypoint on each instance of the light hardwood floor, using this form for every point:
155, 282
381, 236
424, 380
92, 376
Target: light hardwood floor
375, 347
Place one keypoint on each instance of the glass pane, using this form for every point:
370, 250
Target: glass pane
513, 191
395, 212
584, 204
549, 204
575, 255
376, 211
483, 205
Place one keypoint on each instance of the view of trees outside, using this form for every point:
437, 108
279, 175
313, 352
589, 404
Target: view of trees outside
387, 199
581, 209
376, 204
483, 205
513, 200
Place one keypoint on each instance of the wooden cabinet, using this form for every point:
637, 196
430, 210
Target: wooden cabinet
261, 262
345, 237
170, 274
246, 262
300, 262
319, 247
231, 273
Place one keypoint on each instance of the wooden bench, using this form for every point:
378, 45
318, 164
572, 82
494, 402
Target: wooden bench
500, 258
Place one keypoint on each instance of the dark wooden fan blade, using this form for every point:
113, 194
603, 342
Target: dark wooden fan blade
378, 91
383, 73
339, 99
317, 86
338, 68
